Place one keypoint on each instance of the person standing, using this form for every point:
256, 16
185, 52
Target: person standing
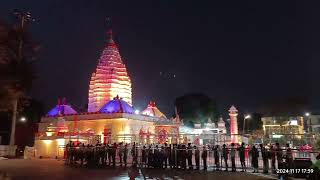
289, 158
216, 154
166, 155
120, 153
233, 157
279, 155
134, 155
150, 156
204, 156
265, 158
225, 153
68, 152
114, 153
254, 158
174, 156
197, 157
241, 150
144, 156
105, 155
82, 153
109, 149
272, 155
163, 158
189, 156
171, 156
184, 155
125, 155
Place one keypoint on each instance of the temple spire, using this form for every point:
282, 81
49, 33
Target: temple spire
110, 37
109, 32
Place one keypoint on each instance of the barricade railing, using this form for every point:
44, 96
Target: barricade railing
102, 155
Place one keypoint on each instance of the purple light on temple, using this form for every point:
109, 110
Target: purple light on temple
61, 110
117, 105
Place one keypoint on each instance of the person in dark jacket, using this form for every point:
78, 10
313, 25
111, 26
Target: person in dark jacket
289, 158
125, 155
109, 149
171, 156
134, 155
272, 155
197, 157
150, 156
114, 153
175, 156
225, 153
233, 157
144, 156
204, 156
265, 158
241, 150
183, 156
279, 155
254, 158
189, 156
216, 154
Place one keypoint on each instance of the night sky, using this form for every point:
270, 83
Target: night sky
237, 52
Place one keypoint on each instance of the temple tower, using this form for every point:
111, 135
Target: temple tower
233, 113
110, 78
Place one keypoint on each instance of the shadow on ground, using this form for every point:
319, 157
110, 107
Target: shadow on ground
56, 170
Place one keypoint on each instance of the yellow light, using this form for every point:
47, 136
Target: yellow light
47, 142
49, 133
61, 142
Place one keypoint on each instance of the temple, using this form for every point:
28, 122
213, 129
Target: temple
111, 117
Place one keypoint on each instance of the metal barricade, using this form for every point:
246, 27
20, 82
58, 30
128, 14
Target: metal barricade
175, 157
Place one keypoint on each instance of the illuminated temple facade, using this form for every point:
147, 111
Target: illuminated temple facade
110, 116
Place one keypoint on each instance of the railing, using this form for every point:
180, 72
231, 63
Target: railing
178, 158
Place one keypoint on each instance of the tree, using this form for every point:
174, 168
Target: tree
17, 55
196, 107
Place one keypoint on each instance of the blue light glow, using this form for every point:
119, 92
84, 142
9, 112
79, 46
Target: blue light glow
117, 106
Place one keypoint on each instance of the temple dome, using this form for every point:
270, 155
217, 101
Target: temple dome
152, 110
61, 109
117, 105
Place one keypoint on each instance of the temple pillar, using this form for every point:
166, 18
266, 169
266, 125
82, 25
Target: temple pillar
233, 113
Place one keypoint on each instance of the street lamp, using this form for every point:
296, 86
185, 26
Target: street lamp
136, 111
23, 119
246, 116
307, 114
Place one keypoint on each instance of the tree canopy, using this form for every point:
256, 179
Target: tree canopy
16, 71
196, 107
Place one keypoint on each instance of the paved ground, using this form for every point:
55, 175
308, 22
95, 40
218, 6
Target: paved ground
56, 170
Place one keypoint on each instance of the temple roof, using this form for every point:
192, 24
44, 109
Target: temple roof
61, 109
117, 105
152, 110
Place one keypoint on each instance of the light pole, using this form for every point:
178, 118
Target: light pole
23, 17
309, 124
246, 116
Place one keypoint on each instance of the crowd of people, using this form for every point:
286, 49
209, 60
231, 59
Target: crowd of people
179, 156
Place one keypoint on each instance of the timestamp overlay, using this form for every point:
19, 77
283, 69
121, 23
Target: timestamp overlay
295, 171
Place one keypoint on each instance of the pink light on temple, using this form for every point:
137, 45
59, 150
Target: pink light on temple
109, 79
233, 113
